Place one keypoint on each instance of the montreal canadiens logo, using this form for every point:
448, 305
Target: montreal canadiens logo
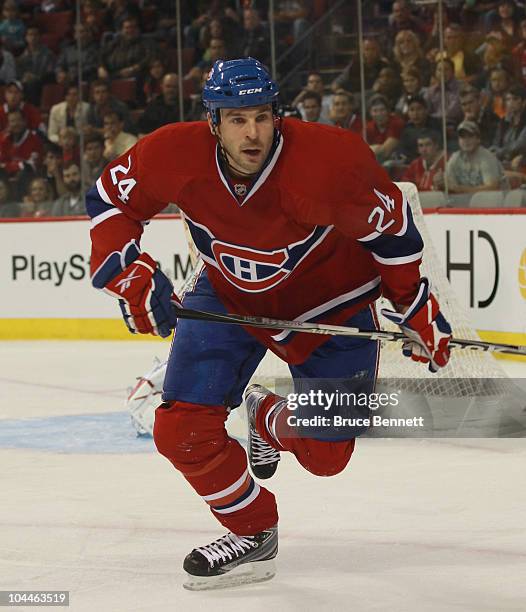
248, 269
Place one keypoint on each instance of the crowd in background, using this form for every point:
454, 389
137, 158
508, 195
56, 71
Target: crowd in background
62, 120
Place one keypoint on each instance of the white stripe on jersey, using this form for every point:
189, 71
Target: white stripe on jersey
345, 297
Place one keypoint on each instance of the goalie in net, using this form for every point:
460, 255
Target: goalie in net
292, 221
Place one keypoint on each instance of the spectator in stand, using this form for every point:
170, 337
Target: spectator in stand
519, 54
256, 38
474, 110
8, 208
71, 203
68, 139
312, 108
119, 11
445, 68
388, 85
51, 169
292, 17
499, 82
418, 122
222, 28
103, 102
12, 28
72, 112
164, 108
505, 23
494, 56
7, 66
203, 11
93, 162
197, 111
151, 87
467, 64
423, 170
473, 168
373, 62
383, 129
342, 113
37, 202
401, 18
216, 50
510, 136
128, 55
14, 100
412, 86
314, 83
20, 152
407, 53
116, 142
93, 17
68, 62
36, 65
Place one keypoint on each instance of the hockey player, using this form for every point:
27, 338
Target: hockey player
293, 221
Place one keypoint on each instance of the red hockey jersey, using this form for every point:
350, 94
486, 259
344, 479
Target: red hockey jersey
318, 235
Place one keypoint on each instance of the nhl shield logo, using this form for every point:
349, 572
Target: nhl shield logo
240, 189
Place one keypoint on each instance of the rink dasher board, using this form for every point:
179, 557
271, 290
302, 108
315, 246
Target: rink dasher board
44, 271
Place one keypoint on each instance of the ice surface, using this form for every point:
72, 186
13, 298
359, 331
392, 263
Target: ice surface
427, 525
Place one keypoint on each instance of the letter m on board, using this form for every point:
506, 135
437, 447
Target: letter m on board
386, 200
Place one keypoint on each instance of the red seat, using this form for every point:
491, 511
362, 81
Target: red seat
52, 93
188, 59
124, 89
60, 23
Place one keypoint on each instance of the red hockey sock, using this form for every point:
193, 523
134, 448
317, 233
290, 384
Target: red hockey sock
194, 439
317, 456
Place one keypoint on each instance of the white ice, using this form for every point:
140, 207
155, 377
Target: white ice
425, 525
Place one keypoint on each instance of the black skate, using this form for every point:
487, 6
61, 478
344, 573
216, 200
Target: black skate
262, 457
232, 561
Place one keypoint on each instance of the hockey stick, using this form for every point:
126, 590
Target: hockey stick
339, 330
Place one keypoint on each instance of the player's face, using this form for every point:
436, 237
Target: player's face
246, 135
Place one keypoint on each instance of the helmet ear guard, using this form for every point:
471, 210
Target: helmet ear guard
238, 83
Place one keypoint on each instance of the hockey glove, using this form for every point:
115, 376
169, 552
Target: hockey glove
145, 294
428, 333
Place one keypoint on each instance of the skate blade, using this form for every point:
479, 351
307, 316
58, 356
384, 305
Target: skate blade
248, 573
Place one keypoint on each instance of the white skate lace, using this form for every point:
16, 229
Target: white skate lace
262, 452
228, 546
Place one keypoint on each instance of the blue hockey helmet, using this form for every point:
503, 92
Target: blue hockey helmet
237, 84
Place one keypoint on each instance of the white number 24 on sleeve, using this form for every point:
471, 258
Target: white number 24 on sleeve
125, 185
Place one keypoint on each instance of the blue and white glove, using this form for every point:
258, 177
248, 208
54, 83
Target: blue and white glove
146, 297
428, 333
